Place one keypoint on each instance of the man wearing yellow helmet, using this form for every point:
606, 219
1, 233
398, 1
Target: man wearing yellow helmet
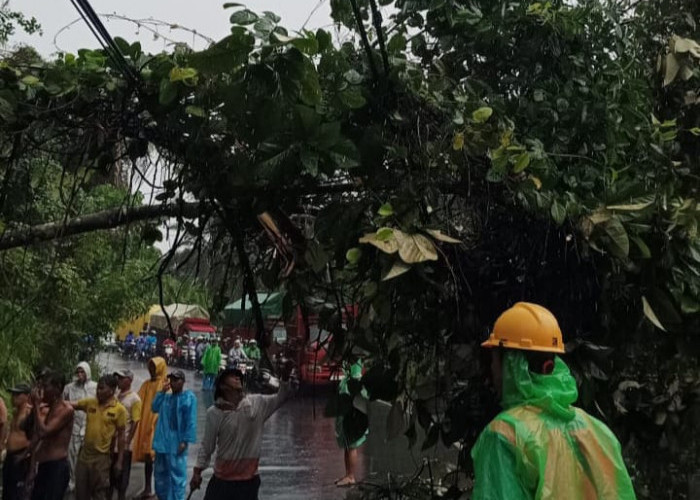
540, 447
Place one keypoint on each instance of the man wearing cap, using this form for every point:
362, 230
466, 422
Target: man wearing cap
175, 429
132, 403
17, 460
541, 446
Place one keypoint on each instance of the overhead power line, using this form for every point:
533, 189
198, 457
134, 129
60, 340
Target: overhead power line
105, 39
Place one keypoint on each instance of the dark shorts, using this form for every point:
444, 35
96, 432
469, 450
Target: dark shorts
121, 483
51, 480
218, 489
14, 472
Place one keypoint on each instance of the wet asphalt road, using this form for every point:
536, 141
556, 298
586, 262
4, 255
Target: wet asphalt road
300, 458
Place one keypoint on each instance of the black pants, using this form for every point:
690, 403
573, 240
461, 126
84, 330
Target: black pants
51, 480
121, 483
14, 472
218, 489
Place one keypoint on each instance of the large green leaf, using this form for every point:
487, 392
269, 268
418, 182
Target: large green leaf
243, 17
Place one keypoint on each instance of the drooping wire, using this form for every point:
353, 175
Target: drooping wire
105, 39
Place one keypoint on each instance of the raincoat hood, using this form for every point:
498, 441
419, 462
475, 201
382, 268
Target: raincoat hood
161, 367
86, 368
554, 393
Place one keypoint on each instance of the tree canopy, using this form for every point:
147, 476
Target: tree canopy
442, 164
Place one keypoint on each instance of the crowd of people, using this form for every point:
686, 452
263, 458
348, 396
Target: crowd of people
84, 436
187, 351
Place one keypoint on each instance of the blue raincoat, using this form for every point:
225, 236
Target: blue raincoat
177, 423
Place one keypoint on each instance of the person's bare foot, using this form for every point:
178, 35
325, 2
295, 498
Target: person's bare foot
345, 481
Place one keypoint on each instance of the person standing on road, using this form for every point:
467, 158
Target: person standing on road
541, 446
143, 441
52, 420
176, 428
210, 365
132, 403
234, 428
350, 448
16, 465
105, 423
82, 387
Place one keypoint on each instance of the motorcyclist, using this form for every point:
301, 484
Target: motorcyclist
152, 341
252, 350
236, 354
541, 446
142, 344
169, 345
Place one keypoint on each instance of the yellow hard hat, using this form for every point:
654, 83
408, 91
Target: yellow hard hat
529, 327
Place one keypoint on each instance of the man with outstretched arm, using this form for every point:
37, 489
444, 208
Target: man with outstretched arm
234, 428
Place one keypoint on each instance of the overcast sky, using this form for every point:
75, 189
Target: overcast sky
205, 16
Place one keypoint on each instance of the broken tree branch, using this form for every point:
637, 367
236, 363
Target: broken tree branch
106, 219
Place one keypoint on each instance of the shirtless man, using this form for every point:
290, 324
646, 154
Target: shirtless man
53, 430
17, 461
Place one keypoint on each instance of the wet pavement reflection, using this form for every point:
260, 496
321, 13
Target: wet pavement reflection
300, 458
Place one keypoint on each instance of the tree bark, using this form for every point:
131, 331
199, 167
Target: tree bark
107, 219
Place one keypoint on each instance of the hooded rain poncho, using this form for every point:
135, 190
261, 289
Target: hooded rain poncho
541, 447
143, 440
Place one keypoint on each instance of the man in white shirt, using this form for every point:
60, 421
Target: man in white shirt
132, 402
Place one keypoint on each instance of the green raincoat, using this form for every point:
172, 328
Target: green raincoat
211, 360
543, 448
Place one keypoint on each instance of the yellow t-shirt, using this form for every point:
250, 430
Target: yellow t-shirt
101, 427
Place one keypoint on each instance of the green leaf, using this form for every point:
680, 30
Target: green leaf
397, 44
619, 241
185, 75
195, 111
167, 92
243, 17
558, 212
386, 210
642, 246
352, 98
309, 160
225, 55
272, 16
307, 45
325, 41
651, 316
495, 174
353, 77
482, 114
353, 255
30, 80
385, 233
695, 131
458, 141
641, 204
522, 161
310, 87
228, 5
